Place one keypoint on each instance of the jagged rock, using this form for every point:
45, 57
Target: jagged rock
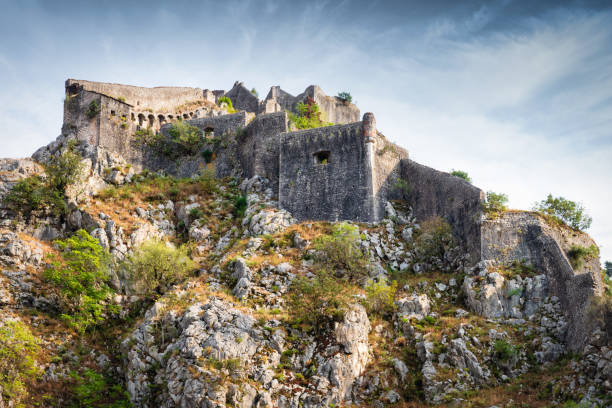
198, 232
413, 307
460, 357
217, 331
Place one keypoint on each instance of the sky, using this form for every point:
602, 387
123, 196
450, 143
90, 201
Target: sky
516, 93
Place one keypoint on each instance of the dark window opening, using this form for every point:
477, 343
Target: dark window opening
209, 132
112, 113
322, 157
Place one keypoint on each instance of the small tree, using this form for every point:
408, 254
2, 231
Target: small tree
319, 301
47, 194
345, 96
18, 350
255, 93
381, 296
565, 211
63, 169
155, 266
461, 174
188, 138
495, 203
93, 109
340, 252
81, 273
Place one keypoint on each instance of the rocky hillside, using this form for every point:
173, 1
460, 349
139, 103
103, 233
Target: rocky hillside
157, 291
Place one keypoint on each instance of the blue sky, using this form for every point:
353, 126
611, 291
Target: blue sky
518, 94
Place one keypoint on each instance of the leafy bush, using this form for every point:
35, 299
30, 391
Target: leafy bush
381, 296
566, 211
154, 267
93, 109
578, 254
319, 301
18, 350
340, 253
228, 102
461, 174
92, 389
345, 96
240, 205
81, 273
187, 139
504, 351
46, 194
495, 203
254, 92
308, 116
207, 155
33, 194
434, 238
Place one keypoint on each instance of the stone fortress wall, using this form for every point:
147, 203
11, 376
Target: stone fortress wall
342, 172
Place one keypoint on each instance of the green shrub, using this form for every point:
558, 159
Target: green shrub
495, 203
18, 350
195, 213
255, 93
46, 194
154, 267
578, 254
187, 139
228, 102
94, 390
240, 205
345, 96
340, 253
33, 194
461, 174
381, 296
207, 155
308, 116
565, 211
93, 109
319, 301
503, 350
434, 238
81, 273
64, 169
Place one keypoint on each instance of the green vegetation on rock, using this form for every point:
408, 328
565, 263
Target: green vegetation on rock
46, 194
461, 174
81, 273
155, 266
18, 350
564, 211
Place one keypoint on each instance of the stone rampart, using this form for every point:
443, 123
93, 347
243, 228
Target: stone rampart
259, 146
523, 236
219, 125
433, 193
324, 174
159, 99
